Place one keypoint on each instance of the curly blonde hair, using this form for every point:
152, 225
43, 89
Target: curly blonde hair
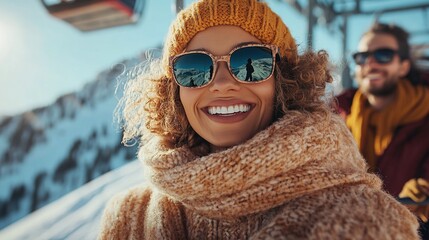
151, 102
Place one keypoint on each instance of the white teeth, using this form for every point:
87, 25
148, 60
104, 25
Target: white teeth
373, 75
229, 110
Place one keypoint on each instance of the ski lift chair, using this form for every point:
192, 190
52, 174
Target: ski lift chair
89, 15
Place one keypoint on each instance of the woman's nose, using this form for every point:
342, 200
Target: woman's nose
223, 80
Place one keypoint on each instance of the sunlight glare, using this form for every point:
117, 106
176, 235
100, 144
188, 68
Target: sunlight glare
6, 38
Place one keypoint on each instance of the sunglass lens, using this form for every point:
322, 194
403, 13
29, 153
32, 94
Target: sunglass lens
193, 70
384, 55
360, 57
252, 63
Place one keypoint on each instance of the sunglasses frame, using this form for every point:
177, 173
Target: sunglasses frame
372, 54
226, 58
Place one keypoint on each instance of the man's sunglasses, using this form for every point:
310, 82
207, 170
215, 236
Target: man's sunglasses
252, 63
381, 55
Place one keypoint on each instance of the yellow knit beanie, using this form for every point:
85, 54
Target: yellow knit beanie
252, 16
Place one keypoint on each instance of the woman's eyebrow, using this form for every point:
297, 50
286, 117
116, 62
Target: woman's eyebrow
235, 46
245, 43
198, 49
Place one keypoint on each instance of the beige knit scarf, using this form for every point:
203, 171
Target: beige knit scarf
295, 156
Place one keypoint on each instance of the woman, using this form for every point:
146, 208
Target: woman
231, 159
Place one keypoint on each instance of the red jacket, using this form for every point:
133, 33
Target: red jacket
407, 155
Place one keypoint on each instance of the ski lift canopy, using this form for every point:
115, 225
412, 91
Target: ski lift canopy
88, 15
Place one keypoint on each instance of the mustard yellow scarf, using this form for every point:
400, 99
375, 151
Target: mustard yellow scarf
373, 130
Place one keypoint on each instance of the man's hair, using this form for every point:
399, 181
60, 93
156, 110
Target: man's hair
401, 36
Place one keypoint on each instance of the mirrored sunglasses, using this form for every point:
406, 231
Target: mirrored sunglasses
252, 63
382, 56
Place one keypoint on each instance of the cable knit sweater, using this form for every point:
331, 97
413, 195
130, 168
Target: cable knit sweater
301, 178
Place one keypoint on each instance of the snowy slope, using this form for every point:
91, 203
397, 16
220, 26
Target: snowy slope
45, 153
76, 215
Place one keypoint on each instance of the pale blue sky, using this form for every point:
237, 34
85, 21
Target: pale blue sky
42, 57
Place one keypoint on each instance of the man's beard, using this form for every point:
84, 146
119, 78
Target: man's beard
388, 88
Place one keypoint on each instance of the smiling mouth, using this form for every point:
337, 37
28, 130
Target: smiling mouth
228, 110
374, 76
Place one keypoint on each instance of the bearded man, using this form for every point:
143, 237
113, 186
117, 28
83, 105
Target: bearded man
388, 114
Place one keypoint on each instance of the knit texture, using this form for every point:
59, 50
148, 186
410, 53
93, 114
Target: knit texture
301, 178
252, 16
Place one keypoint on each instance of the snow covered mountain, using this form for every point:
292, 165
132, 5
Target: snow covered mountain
48, 152
77, 215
